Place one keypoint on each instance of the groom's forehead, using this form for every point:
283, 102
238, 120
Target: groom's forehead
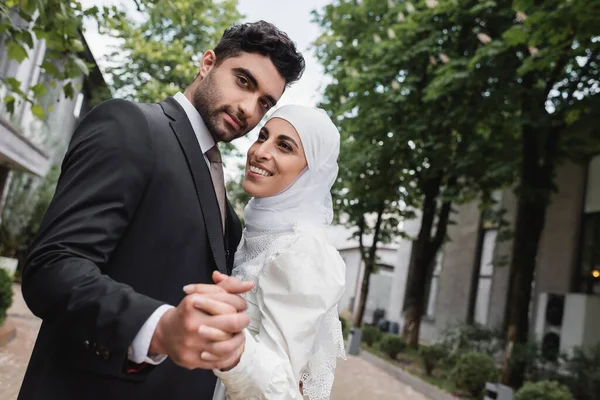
261, 69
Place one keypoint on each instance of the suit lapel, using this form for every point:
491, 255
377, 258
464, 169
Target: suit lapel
233, 234
201, 175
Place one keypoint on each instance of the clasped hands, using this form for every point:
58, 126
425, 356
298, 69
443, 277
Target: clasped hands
206, 329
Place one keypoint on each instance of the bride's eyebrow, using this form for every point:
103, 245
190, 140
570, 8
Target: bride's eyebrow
285, 137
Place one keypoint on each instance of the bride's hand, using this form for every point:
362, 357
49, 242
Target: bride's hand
231, 284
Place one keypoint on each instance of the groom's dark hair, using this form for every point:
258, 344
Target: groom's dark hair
263, 38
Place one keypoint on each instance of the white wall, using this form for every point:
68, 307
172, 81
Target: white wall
380, 284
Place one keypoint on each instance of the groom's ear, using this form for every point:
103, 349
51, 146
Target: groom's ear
208, 62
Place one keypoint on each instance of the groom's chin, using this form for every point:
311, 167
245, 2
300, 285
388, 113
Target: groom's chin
225, 134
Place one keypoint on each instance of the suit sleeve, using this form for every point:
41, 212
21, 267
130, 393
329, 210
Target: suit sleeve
104, 176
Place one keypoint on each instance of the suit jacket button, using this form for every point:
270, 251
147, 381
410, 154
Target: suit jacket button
86, 344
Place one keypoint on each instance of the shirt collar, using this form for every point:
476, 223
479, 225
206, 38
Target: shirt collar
204, 137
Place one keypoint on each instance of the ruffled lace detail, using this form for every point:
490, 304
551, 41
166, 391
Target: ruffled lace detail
317, 378
254, 249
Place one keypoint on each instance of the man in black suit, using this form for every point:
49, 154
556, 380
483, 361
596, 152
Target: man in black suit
139, 212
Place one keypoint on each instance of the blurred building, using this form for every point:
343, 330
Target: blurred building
27, 143
470, 281
380, 283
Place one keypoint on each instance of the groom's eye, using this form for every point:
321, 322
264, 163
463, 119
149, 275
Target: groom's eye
265, 104
242, 80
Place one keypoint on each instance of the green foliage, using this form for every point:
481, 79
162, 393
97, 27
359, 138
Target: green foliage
235, 191
418, 132
371, 335
59, 23
6, 294
543, 390
392, 345
162, 43
345, 327
472, 371
432, 356
464, 338
584, 370
26, 203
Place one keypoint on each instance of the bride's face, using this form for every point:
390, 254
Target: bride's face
275, 160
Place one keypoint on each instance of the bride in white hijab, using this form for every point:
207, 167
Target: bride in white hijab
294, 337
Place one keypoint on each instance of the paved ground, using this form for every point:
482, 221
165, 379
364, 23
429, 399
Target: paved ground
15, 356
356, 379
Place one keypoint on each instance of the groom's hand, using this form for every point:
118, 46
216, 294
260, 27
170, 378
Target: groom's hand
178, 333
231, 285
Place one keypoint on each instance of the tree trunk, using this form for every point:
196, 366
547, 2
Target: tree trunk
370, 261
534, 197
364, 292
421, 266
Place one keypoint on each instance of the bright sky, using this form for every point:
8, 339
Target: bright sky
292, 16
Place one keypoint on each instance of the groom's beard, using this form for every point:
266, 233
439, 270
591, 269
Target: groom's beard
205, 97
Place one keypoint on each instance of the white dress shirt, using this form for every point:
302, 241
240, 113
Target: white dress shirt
138, 351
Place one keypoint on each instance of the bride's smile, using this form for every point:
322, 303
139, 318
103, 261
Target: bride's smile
275, 160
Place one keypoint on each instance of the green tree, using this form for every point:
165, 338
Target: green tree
538, 64
161, 44
524, 70
545, 68
367, 195
59, 23
383, 58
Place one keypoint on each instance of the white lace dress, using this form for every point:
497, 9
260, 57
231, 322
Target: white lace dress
295, 333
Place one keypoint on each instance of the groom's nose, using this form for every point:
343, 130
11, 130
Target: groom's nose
247, 107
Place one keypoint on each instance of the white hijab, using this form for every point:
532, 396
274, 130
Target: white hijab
308, 199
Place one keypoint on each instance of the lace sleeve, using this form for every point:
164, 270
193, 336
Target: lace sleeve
317, 377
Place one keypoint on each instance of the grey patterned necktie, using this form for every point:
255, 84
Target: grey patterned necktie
218, 178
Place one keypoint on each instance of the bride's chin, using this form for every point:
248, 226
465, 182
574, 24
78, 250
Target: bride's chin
249, 187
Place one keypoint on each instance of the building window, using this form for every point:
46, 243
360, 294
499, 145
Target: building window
434, 286
483, 273
486, 271
589, 271
78, 105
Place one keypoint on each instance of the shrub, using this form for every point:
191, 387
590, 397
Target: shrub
6, 294
543, 390
584, 371
371, 334
463, 338
472, 371
537, 367
432, 356
392, 345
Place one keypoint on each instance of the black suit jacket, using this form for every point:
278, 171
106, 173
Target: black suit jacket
134, 219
